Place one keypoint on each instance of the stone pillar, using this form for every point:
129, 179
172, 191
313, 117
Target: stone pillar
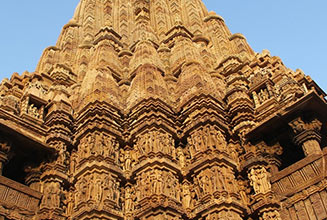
265, 205
5, 148
32, 178
307, 135
54, 178
259, 163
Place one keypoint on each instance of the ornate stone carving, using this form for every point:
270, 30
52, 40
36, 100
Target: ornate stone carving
99, 190
307, 135
271, 215
51, 197
259, 179
208, 138
97, 144
154, 110
155, 143
17, 200
186, 195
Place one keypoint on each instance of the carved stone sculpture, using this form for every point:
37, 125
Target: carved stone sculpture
153, 109
259, 178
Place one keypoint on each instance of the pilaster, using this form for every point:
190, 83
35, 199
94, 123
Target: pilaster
307, 135
5, 147
259, 163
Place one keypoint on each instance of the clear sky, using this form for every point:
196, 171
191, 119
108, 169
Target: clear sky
294, 30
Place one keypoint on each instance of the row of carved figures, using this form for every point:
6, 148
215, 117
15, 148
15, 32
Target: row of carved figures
215, 179
105, 189
286, 87
98, 188
204, 139
158, 182
207, 138
98, 144
153, 143
31, 109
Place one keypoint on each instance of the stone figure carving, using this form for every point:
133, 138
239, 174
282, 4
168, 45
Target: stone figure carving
186, 195
128, 160
73, 161
125, 159
181, 157
46, 199
52, 192
244, 191
33, 111
191, 147
154, 143
208, 138
99, 144
215, 179
157, 182
272, 215
259, 179
69, 201
63, 155
263, 95
107, 186
129, 199
99, 189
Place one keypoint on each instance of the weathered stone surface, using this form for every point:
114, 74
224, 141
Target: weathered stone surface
155, 110
17, 200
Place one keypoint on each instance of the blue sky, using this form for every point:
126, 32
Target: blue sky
293, 30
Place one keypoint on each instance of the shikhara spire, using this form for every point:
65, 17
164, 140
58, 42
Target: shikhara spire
153, 109
114, 40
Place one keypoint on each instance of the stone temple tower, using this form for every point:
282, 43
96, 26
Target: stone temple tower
154, 110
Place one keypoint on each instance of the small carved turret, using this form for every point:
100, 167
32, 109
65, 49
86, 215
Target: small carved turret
240, 45
219, 33
240, 105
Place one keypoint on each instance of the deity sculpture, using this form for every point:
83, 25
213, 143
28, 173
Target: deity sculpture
69, 201
191, 147
128, 199
73, 161
259, 178
186, 195
181, 157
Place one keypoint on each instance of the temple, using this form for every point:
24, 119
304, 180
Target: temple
154, 110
